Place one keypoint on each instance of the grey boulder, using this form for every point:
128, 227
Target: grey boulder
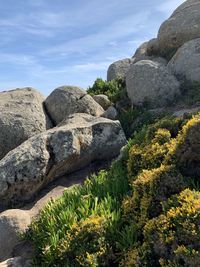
21, 116
150, 83
111, 113
79, 140
186, 62
102, 100
143, 53
12, 222
16, 262
67, 100
118, 69
182, 26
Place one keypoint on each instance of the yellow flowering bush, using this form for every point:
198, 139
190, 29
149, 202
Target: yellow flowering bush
184, 151
174, 236
85, 244
149, 156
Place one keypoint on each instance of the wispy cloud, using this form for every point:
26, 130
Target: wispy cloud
110, 34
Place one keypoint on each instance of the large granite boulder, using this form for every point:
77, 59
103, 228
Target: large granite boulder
186, 62
102, 100
21, 116
150, 83
111, 113
144, 53
182, 26
141, 51
153, 47
12, 222
118, 69
79, 140
67, 100
16, 262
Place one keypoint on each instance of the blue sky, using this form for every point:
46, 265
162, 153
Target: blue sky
48, 43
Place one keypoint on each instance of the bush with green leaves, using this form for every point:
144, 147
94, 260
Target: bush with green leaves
130, 214
174, 236
63, 225
115, 89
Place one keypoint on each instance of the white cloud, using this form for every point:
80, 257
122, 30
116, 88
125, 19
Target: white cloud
119, 29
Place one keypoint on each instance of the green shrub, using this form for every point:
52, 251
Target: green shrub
149, 190
134, 119
153, 187
129, 215
184, 150
174, 237
85, 244
150, 156
172, 124
115, 89
99, 197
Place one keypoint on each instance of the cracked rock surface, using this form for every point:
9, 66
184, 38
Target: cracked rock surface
67, 100
21, 116
76, 142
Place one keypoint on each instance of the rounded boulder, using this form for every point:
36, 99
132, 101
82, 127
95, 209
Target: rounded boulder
22, 115
67, 100
186, 62
150, 83
182, 26
12, 222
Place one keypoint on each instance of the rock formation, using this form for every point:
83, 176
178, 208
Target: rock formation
79, 140
67, 100
147, 81
22, 115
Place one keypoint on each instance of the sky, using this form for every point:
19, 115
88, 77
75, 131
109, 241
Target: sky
49, 43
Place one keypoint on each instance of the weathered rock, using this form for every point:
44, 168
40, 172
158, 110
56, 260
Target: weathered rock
186, 62
11, 223
102, 100
79, 140
118, 69
12, 262
67, 100
111, 113
153, 47
185, 112
142, 53
21, 116
16, 262
182, 26
151, 83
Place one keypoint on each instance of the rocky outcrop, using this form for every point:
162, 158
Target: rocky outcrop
102, 100
151, 83
182, 26
143, 53
111, 113
118, 69
12, 262
153, 47
79, 140
186, 62
67, 100
21, 116
12, 222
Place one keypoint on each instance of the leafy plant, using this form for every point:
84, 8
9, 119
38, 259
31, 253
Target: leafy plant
113, 89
